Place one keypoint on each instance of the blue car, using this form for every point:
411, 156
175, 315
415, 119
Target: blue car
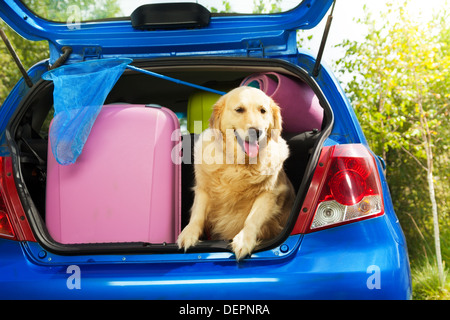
342, 239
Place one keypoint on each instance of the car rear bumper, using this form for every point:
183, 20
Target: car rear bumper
356, 261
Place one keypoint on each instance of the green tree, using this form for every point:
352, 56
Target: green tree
400, 91
66, 10
31, 52
266, 6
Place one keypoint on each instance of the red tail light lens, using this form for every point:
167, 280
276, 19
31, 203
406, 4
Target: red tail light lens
6, 230
13, 222
345, 188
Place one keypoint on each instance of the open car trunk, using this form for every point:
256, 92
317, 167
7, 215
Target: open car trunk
28, 138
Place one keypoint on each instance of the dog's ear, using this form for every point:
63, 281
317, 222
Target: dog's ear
214, 120
275, 130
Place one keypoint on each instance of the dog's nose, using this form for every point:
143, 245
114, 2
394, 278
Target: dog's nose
255, 133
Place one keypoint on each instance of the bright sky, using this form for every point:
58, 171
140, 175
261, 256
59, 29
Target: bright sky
344, 24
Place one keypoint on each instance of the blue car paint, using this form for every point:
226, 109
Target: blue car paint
361, 260
238, 36
346, 127
336, 263
329, 264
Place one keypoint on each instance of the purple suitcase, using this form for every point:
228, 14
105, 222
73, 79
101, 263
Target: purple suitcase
124, 187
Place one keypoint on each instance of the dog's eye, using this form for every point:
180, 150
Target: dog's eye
240, 110
263, 110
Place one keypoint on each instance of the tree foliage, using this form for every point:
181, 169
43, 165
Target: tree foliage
31, 52
67, 10
399, 88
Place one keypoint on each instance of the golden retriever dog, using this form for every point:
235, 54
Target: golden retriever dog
241, 190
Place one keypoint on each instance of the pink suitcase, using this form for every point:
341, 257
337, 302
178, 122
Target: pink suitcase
124, 187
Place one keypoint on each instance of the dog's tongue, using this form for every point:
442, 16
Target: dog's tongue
251, 148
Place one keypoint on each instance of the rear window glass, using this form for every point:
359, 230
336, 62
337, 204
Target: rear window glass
85, 10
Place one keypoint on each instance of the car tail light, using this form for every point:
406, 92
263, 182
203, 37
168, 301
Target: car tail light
345, 188
13, 222
6, 230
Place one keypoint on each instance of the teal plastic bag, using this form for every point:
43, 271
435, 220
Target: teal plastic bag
80, 90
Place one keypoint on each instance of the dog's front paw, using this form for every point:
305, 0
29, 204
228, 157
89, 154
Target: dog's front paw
189, 237
243, 244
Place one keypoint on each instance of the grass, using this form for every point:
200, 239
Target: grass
426, 284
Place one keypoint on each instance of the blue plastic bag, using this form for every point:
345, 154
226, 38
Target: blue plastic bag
80, 90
